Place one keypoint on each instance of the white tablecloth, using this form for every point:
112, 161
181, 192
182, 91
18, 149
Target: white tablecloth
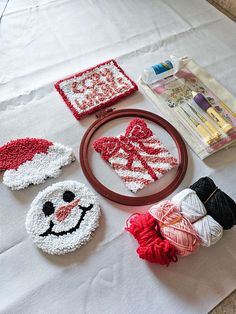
43, 41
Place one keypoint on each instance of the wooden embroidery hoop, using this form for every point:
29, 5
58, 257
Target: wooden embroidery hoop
124, 199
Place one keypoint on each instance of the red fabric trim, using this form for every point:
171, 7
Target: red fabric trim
112, 101
16, 152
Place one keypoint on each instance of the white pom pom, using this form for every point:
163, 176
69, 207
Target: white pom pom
208, 230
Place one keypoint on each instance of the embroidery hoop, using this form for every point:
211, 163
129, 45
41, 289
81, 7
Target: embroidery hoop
125, 199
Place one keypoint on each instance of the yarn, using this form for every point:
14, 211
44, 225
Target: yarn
208, 230
175, 228
179, 226
162, 67
218, 204
152, 247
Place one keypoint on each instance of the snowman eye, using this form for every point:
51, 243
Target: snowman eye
68, 196
48, 208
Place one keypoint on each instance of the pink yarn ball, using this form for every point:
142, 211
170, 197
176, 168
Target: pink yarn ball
175, 228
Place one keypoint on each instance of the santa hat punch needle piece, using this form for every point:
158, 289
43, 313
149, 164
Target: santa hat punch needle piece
63, 217
31, 161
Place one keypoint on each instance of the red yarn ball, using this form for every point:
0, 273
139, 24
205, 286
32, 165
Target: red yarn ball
152, 247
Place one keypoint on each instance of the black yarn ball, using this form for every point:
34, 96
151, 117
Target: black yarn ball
218, 204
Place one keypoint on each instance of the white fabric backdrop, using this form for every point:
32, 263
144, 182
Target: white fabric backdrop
43, 41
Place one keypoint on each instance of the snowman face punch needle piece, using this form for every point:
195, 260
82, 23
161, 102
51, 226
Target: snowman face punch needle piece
63, 217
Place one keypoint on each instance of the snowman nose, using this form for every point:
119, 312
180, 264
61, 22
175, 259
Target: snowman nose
63, 211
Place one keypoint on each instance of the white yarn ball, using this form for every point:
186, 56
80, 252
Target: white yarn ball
208, 230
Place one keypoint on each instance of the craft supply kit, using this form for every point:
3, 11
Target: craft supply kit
64, 216
200, 108
105, 144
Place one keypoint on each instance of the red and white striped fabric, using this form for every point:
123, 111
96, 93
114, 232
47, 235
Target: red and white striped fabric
138, 157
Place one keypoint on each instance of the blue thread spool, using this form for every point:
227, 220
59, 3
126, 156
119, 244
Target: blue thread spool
162, 67
157, 72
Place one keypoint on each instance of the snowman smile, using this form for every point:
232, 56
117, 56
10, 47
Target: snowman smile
62, 233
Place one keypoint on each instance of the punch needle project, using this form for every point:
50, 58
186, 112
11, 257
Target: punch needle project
32, 160
63, 217
138, 157
95, 88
